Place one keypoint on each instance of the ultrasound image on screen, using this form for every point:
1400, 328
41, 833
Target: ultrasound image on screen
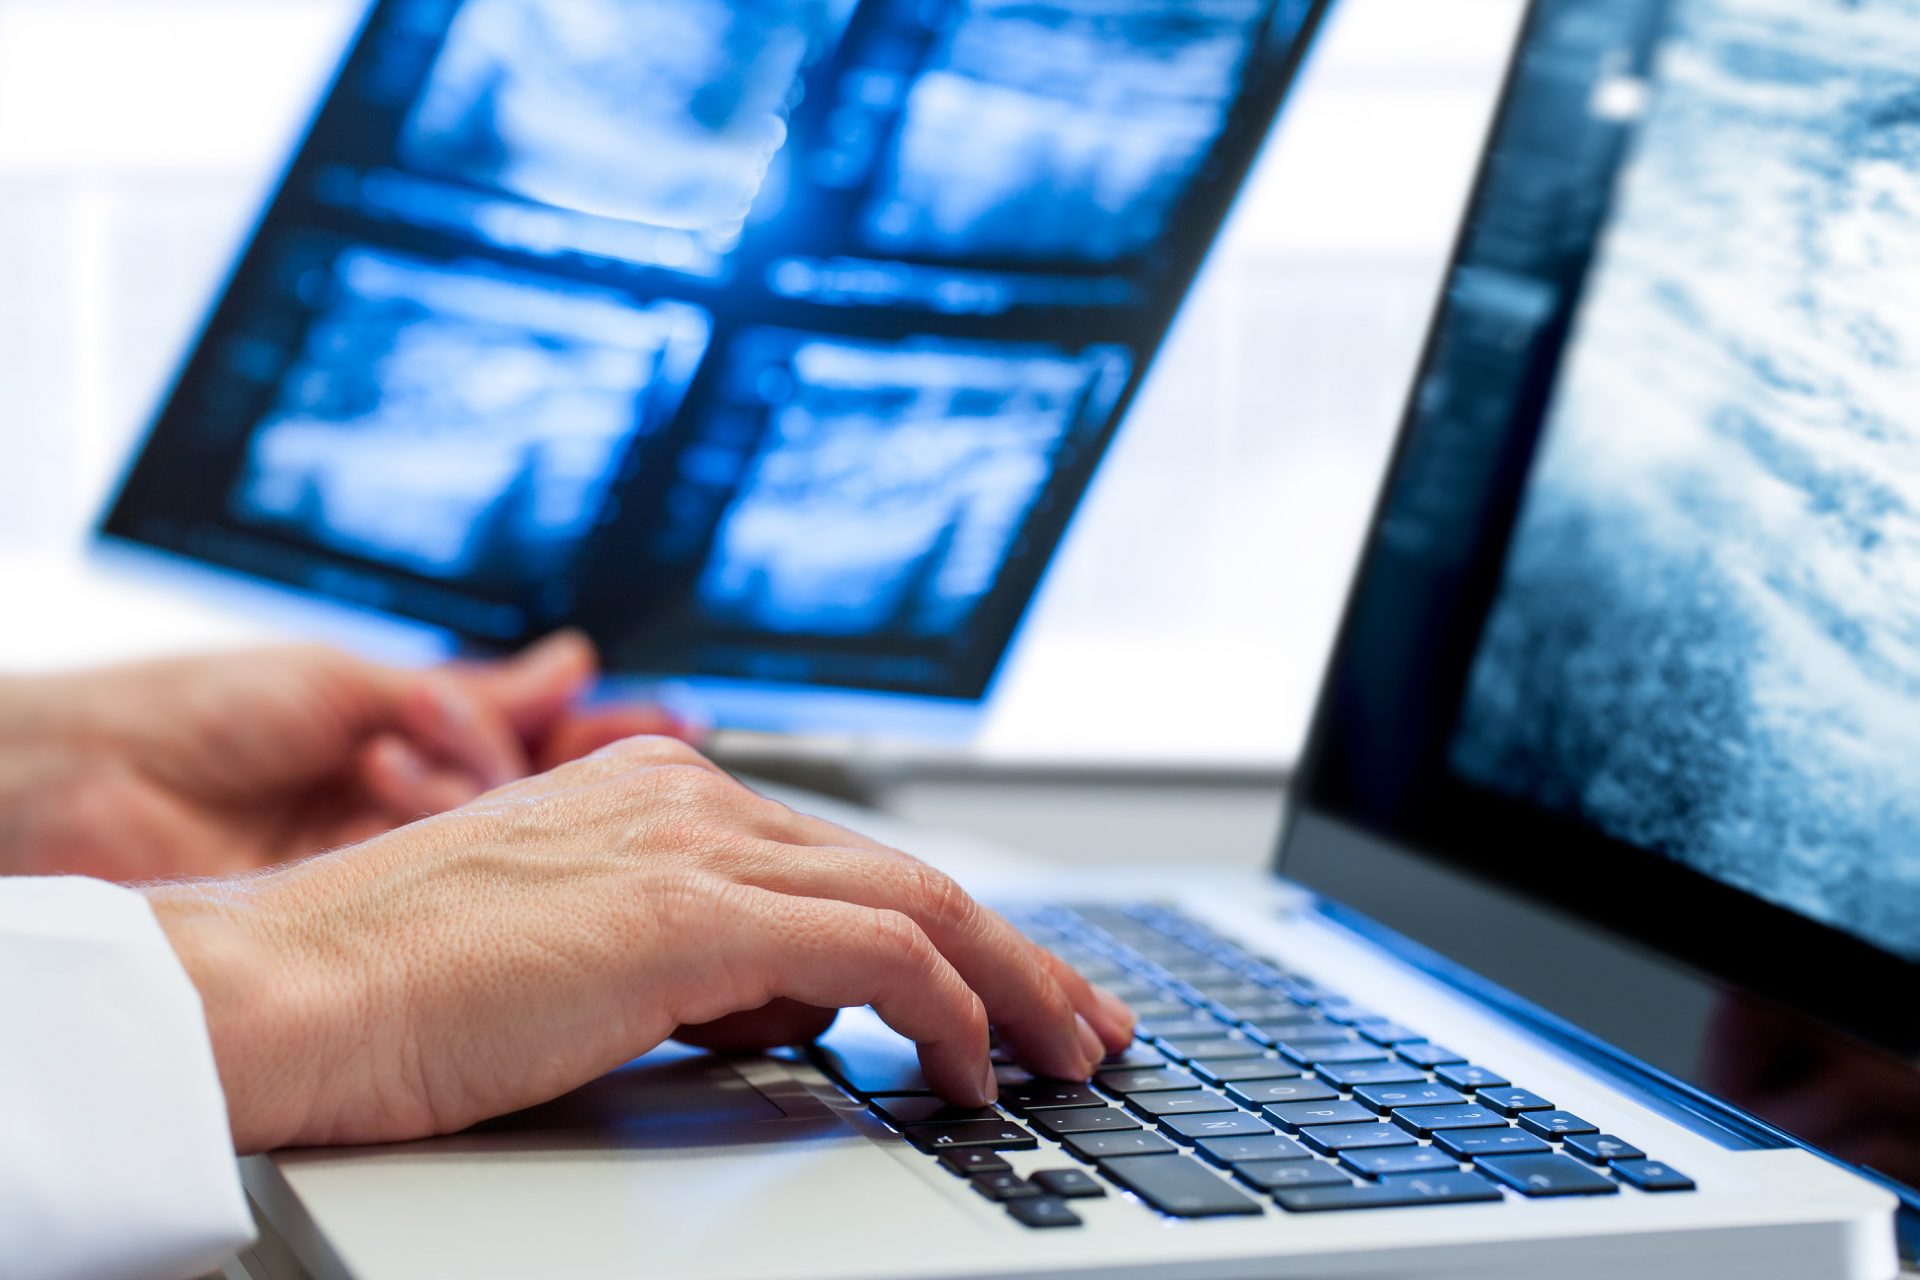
666, 112
1061, 129
458, 421
892, 481
1707, 642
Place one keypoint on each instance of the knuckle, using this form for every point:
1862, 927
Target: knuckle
897, 935
644, 749
940, 900
684, 900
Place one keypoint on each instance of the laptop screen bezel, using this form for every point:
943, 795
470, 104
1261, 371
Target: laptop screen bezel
1399, 662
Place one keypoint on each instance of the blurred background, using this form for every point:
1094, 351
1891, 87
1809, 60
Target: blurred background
1179, 637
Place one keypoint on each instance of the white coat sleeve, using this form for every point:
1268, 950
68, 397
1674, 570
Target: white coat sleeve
116, 1162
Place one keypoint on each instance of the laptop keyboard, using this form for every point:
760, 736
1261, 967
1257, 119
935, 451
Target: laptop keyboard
1248, 1085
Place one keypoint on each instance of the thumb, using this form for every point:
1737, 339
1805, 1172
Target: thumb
532, 690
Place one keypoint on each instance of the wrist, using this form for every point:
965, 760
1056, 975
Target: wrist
259, 1007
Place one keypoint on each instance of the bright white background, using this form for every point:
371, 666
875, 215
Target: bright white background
1191, 608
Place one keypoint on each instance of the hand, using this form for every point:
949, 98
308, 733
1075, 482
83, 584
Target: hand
502, 954
209, 766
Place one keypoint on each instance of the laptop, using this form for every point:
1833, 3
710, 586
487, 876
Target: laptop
1590, 947
773, 344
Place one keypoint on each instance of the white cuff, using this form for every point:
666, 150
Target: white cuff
116, 1162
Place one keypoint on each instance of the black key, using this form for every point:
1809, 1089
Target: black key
968, 1163
1341, 1009
1042, 1211
995, 1135
1509, 1101
1189, 1028
1651, 1175
1390, 1097
1379, 1162
1258, 1093
1183, 1103
1313, 1031
1282, 1012
1391, 1193
1003, 1186
1233, 1124
1331, 1139
1150, 1080
1137, 1055
1316, 1054
1427, 1120
1216, 1047
1467, 1077
1602, 1148
1423, 1054
1050, 1095
1214, 1071
1057, 1124
1554, 1124
1105, 1146
1270, 1010
1166, 1009
1179, 1186
1349, 1075
1273, 1175
1548, 1175
1293, 1115
1471, 1144
1069, 1184
920, 1109
1382, 1031
1273, 1146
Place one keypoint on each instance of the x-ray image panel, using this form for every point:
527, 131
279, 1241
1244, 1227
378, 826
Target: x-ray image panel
664, 112
891, 481
1061, 129
459, 421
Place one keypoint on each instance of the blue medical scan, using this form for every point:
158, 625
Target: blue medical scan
1707, 639
661, 112
461, 421
1064, 130
763, 339
891, 479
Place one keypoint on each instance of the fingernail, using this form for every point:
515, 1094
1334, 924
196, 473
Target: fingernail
1090, 1042
559, 648
989, 1083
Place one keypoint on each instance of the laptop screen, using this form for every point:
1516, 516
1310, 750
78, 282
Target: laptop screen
772, 340
1637, 636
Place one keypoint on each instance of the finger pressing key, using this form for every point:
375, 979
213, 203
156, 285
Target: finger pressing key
837, 955
1037, 1018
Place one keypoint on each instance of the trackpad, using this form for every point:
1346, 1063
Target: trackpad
677, 1096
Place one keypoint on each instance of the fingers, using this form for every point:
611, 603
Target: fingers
837, 955
1045, 1013
533, 690
772, 1026
407, 785
443, 719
